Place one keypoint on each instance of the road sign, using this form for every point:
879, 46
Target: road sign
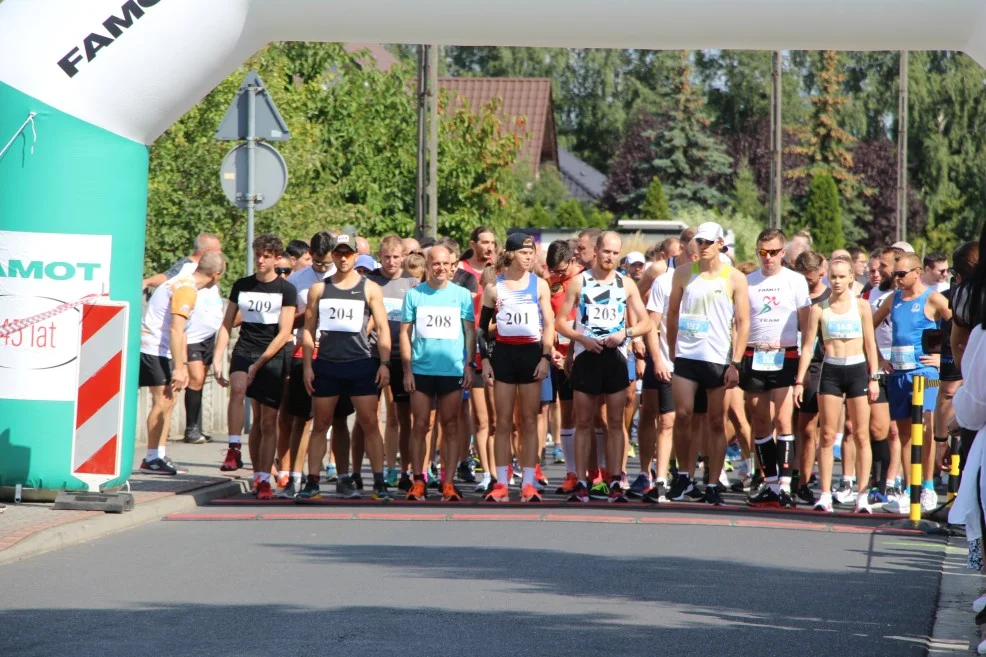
269, 124
270, 176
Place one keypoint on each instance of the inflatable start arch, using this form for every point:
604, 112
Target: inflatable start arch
86, 86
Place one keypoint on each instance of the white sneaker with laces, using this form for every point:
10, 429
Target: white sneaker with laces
899, 503
845, 494
929, 500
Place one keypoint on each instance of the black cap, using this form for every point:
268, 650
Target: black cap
517, 241
345, 238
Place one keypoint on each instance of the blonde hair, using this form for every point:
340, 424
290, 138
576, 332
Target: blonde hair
414, 264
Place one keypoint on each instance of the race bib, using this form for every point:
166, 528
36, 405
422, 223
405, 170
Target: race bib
845, 329
885, 353
768, 361
394, 307
520, 320
438, 323
260, 307
341, 315
695, 327
902, 358
603, 316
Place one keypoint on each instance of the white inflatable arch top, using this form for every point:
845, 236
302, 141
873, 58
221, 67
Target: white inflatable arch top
85, 85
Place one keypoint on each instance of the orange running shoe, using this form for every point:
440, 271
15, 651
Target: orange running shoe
499, 493
568, 486
418, 492
450, 493
233, 460
539, 476
264, 491
530, 494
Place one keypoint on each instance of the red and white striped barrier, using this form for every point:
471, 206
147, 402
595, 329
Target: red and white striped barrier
96, 442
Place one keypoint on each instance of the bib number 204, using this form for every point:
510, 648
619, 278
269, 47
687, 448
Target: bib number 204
340, 313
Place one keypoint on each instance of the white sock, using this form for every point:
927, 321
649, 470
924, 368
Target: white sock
151, 455
568, 447
234, 440
601, 448
160, 451
501, 474
296, 477
486, 479
262, 476
528, 477
838, 440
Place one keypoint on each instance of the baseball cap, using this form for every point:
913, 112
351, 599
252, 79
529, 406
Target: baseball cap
346, 238
905, 246
517, 241
710, 231
367, 262
635, 258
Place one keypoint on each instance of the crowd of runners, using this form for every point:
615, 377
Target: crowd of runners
461, 366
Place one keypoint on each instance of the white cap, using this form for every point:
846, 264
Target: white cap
635, 258
711, 231
904, 245
367, 262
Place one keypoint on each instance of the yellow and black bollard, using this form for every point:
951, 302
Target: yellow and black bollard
954, 462
917, 442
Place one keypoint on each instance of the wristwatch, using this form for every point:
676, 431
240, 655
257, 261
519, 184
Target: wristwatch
736, 363
547, 357
875, 376
385, 363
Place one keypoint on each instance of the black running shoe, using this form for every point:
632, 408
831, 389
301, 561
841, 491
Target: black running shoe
357, 480
580, 494
157, 467
464, 473
697, 493
346, 489
658, 494
289, 492
310, 491
806, 494
380, 493
713, 496
765, 498
680, 487
405, 483
741, 485
787, 502
616, 494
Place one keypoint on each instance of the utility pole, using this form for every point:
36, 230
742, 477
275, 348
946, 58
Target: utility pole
420, 226
251, 173
433, 141
776, 142
902, 150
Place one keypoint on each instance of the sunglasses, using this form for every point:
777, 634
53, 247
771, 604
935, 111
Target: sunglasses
769, 252
702, 243
282, 271
321, 265
942, 272
902, 274
952, 271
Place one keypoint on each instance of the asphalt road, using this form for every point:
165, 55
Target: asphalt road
364, 587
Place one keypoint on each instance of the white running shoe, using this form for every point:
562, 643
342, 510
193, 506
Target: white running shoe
723, 479
863, 505
483, 484
929, 500
824, 505
845, 494
979, 604
898, 503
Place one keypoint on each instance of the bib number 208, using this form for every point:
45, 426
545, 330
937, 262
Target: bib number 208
438, 321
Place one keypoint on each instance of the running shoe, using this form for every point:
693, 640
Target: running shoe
346, 488
567, 486
862, 505
640, 486
511, 479
632, 451
288, 492
599, 491
579, 494
929, 500
310, 491
697, 493
898, 501
539, 477
264, 490
233, 460
680, 487
357, 480
823, 505
723, 479
282, 479
530, 494
658, 494
805, 494
158, 466
713, 496
450, 493
404, 483
392, 477
559, 456
194, 439
464, 473
483, 484
499, 493
766, 498
845, 495
787, 502
380, 493
876, 498
616, 494
417, 492
331, 474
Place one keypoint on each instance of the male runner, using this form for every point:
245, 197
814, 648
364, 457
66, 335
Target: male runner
437, 326
706, 300
913, 309
779, 308
162, 333
266, 303
599, 373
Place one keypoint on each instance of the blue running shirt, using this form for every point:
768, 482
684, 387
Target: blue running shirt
437, 342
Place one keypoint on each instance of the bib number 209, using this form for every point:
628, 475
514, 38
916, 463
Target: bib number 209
259, 305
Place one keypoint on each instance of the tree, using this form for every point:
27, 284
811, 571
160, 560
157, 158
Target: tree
822, 214
875, 162
628, 177
655, 205
746, 196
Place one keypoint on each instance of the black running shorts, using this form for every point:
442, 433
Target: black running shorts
849, 380
515, 363
154, 371
756, 381
202, 351
706, 375
604, 373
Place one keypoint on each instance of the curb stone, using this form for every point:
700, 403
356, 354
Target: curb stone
954, 631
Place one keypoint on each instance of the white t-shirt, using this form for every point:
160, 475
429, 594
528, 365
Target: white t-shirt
658, 301
774, 304
176, 296
207, 316
303, 281
884, 332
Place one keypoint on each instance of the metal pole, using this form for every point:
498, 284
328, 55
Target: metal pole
433, 141
251, 171
420, 183
777, 179
902, 150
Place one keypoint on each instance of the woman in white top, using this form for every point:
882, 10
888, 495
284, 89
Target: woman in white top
850, 371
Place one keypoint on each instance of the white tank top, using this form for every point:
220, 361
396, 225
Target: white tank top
705, 321
844, 326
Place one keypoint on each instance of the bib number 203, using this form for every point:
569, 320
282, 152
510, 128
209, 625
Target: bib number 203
603, 313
